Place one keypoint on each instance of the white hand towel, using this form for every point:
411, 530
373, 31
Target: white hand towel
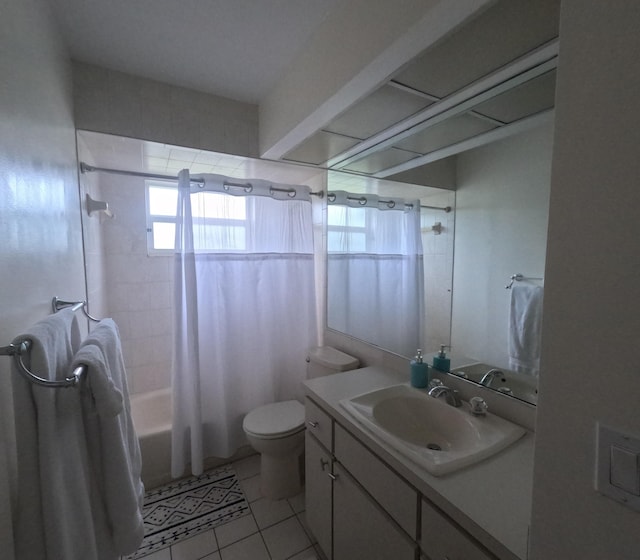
525, 328
113, 444
54, 519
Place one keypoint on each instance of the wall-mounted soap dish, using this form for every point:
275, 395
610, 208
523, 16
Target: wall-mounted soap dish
97, 206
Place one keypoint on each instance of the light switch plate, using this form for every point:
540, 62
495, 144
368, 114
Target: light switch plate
618, 466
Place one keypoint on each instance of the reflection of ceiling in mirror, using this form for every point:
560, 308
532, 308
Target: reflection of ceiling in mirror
479, 84
363, 184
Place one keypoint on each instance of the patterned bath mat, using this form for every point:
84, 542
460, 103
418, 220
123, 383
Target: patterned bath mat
190, 506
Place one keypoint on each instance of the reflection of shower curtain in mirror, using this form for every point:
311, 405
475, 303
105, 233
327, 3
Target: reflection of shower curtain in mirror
375, 276
244, 309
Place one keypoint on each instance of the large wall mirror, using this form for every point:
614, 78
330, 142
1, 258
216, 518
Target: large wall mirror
497, 229
481, 142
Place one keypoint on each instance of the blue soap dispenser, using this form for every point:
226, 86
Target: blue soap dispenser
419, 372
440, 360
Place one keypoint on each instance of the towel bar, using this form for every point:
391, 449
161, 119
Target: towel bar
518, 278
17, 350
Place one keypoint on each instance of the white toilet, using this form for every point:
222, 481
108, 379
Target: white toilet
276, 430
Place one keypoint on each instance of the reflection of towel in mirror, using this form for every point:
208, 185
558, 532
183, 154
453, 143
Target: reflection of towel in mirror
525, 326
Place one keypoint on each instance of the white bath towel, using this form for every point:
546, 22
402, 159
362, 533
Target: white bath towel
525, 328
113, 445
53, 519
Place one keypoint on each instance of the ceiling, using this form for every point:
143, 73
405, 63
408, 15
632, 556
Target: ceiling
233, 48
491, 77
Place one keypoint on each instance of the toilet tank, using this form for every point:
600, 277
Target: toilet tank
324, 360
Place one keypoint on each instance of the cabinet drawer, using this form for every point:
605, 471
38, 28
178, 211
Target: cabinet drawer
443, 540
319, 423
387, 488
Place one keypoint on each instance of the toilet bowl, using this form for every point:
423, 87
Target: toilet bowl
276, 430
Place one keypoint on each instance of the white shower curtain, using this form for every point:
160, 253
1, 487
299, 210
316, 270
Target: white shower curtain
375, 288
244, 309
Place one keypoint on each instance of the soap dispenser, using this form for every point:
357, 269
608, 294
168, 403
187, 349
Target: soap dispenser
440, 360
419, 371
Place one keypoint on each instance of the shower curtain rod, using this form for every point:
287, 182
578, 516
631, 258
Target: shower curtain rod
86, 168
362, 200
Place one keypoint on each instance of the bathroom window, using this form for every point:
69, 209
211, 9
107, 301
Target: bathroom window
220, 220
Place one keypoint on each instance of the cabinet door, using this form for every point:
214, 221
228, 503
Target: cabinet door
318, 492
443, 540
395, 496
360, 528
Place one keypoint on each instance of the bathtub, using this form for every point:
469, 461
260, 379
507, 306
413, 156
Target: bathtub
151, 413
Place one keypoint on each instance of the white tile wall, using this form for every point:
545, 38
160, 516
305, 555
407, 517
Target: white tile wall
138, 287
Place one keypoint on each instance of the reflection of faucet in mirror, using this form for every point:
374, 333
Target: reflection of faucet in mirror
488, 377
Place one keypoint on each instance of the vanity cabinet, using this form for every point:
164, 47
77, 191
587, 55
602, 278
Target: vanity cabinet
349, 494
441, 539
359, 507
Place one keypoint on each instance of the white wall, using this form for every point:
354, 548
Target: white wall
41, 248
118, 103
590, 360
502, 204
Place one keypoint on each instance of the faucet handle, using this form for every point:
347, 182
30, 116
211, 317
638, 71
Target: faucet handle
435, 382
478, 406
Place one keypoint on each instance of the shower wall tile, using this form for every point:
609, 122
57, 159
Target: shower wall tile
138, 286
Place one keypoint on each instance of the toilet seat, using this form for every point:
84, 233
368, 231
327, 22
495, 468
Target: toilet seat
275, 420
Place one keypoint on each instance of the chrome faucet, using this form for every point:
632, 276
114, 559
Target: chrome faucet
488, 377
451, 395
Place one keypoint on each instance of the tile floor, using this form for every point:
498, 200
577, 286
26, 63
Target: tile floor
275, 530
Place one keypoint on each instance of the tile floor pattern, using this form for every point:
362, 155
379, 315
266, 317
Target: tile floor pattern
275, 530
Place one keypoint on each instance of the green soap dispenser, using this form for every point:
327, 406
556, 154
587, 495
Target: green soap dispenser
440, 360
419, 372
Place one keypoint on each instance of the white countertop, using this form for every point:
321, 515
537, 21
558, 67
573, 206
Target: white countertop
493, 495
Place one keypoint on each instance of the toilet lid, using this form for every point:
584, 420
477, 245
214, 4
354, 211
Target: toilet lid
275, 419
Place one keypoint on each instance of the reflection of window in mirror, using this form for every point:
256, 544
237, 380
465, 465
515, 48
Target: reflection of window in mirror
375, 275
347, 229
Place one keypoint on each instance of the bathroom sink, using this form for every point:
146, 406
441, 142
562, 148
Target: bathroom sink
437, 436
